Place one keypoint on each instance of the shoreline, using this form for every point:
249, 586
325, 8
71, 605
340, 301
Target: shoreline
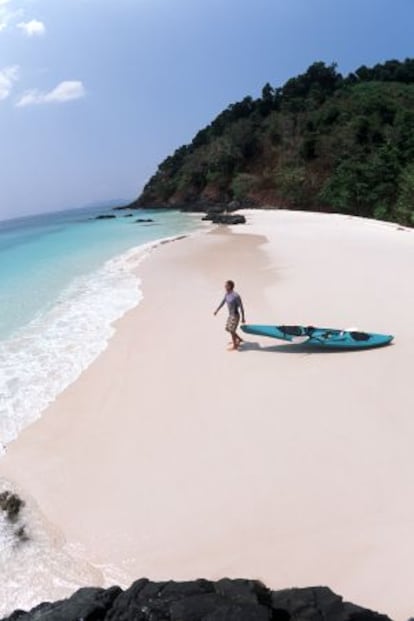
67, 363
174, 482
66, 559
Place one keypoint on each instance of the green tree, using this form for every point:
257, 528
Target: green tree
404, 211
290, 182
364, 185
266, 103
242, 185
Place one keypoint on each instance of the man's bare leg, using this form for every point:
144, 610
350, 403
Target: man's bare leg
235, 340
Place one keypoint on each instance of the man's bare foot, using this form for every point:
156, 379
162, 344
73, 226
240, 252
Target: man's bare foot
239, 340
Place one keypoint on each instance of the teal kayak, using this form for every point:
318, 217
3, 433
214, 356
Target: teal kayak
320, 337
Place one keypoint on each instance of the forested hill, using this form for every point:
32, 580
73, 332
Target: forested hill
320, 142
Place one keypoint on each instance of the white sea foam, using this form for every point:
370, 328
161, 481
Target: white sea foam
50, 353
40, 566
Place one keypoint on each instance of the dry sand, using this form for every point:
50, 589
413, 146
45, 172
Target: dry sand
171, 457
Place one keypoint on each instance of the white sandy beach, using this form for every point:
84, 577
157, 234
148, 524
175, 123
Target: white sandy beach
171, 457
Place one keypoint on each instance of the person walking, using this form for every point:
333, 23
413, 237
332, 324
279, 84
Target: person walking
236, 312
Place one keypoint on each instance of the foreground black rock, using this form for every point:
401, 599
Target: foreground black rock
201, 600
143, 221
105, 217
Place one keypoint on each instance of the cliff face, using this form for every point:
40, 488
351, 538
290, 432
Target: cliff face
321, 142
201, 600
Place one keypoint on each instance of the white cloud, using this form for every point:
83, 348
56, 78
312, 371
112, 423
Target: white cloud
6, 15
8, 76
33, 28
9, 15
65, 91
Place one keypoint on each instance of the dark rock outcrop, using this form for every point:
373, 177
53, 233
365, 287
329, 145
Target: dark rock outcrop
143, 220
200, 600
225, 218
123, 207
128, 215
11, 505
319, 603
106, 216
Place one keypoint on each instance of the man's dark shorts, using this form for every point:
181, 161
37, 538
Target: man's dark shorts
232, 323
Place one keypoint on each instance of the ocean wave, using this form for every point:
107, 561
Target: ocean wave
35, 562
50, 353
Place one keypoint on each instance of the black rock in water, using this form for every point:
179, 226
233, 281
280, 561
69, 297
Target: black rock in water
200, 600
106, 216
11, 504
143, 220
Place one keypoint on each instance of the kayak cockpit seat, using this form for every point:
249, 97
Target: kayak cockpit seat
291, 330
360, 336
309, 330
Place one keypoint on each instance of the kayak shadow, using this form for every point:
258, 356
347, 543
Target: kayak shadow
292, 348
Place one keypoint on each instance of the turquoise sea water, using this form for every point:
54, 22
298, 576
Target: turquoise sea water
41, 255
64, 279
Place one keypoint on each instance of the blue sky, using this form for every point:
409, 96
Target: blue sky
95, 93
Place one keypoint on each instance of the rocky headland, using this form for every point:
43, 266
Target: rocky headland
321, 142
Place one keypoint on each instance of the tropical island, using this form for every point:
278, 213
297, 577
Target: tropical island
192, 466
321, 142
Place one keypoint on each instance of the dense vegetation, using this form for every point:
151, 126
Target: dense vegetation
322, 142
